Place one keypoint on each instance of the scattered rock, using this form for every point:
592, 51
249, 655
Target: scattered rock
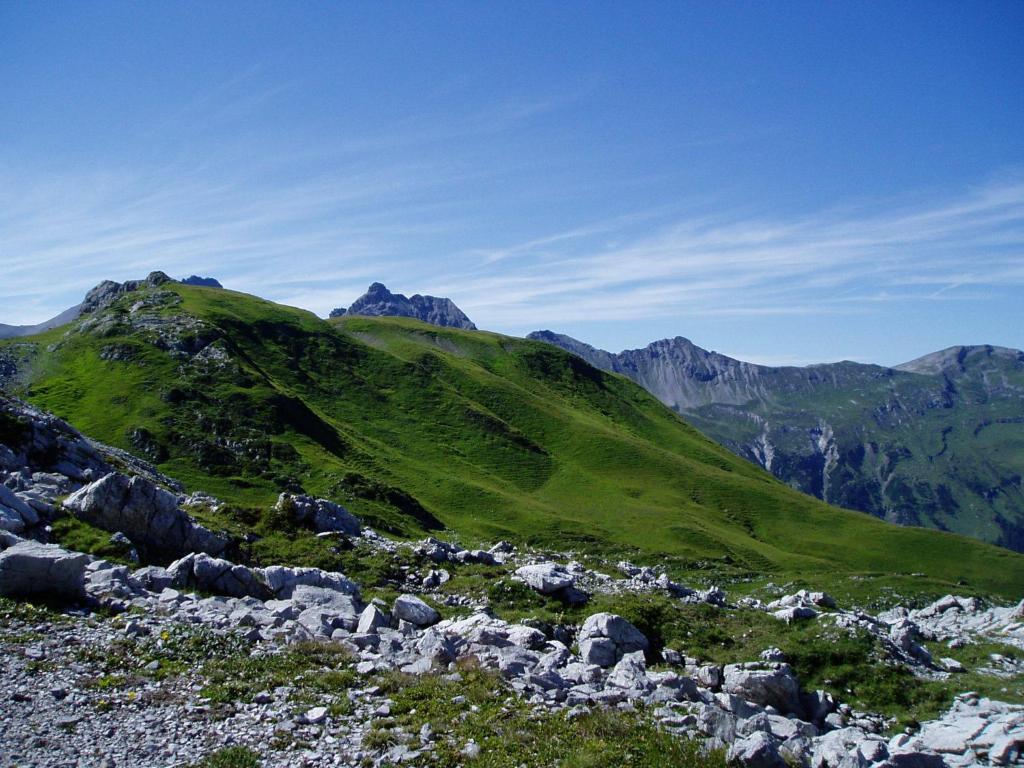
412, 609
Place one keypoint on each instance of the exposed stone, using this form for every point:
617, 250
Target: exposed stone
283, 580
546, 578
146, 513
30, 568
758, 750
371, 619
379, 301
626, 637
412, 609
222, 577
320, 514
773, 684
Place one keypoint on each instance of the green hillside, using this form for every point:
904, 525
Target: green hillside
418, 428
937, 442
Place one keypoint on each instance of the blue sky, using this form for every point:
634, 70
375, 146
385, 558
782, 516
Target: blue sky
782, 182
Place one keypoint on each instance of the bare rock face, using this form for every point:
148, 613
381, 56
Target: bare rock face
378, 301
29, 568
147, 514
15, 514
284, 580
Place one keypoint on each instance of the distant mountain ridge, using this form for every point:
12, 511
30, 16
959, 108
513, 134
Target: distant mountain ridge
378, 301
937, 441
14, 331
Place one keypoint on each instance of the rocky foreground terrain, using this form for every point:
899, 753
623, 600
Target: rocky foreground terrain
197, 656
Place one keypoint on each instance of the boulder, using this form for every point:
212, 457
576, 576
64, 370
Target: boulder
146, 513
630, 673
768, 684
283, 580
546, 578
598, 650
222, 577
372, 619
758, 750
320, 514
436, 647
605, 638
30, 568
795, 613
410, 608
626, 637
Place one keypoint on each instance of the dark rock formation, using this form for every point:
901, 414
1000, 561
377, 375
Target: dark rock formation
206, 282
378, 301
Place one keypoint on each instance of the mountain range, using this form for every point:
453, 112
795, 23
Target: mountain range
417, 427
938, 441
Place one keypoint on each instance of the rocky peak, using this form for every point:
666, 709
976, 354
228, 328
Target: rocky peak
378, 301
107, 292
204, 282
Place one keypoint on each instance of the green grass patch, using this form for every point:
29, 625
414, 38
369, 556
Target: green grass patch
78, 535
510, 735
231, 757
311, 668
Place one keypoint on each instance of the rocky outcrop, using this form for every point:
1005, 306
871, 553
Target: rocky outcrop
30, 569
446, 552
43, 459
107, 292
284, 580
15, 513
378, 301
321, 515
147, 514
217, 576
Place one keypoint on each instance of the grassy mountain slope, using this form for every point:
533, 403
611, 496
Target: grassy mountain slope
938, 442
418, 428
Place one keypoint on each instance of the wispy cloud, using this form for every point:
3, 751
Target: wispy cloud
319, 240
839, 261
